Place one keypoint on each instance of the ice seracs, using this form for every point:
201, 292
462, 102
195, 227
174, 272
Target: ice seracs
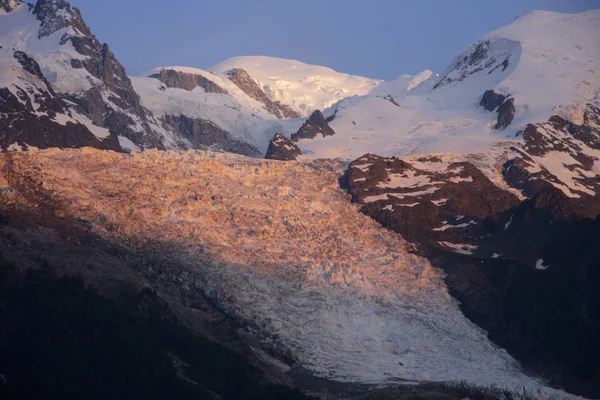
293, 261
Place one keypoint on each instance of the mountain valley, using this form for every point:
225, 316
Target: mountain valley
348, 237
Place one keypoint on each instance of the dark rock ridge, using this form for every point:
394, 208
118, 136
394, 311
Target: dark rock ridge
114, 104
332, 116
282, 148
55, 15
110, 103
187, 81
37, 109
31, 66
577, 145
248, 85
28, 116
204, 134
391, 100
312, 127
506, 114
477, 59
491, 100
503, 105
528, 272
428, 201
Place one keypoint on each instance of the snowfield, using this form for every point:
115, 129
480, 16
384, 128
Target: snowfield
303, 86
553, 69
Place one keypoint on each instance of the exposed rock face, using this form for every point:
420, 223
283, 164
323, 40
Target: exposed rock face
426, 200
119, 109
505, 258
561, 155
94, 102
282, 148
29, 112
105, 97
506, 113
314, 125
55, 15
186, 81
391, 100
491, 100
503, 105
248, 85
31, 66
477, 59
204, 134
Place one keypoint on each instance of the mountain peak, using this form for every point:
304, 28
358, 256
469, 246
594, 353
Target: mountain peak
55, 15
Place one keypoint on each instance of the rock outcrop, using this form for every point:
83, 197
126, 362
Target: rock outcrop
479, 58
182, 80
491, 100
282, 148
503, 105
32, 115
562, 155
426, 200
312, 127
203, 134
248, 85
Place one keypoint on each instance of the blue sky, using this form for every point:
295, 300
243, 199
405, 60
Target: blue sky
374, 38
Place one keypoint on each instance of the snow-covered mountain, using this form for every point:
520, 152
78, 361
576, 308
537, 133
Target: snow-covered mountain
303, 86
541, 65
257, 96
171, 92
546, 62
485, 169
66, 87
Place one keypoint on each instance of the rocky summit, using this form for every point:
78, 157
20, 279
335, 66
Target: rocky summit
315, 125
282, 148
267, 228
